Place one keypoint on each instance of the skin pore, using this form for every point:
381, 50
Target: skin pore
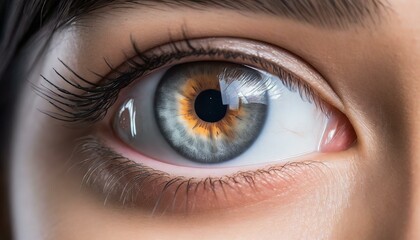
369, 73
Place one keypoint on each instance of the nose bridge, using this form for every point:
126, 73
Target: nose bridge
414, 149
412, 106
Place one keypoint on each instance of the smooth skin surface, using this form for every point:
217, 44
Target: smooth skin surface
370, 191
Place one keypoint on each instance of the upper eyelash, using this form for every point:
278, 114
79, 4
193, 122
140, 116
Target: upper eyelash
93, 103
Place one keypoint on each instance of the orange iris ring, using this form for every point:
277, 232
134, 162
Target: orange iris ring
223, 129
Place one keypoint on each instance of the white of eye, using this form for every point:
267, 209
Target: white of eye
293, 127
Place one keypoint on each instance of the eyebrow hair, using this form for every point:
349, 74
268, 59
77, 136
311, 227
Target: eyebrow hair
320, 13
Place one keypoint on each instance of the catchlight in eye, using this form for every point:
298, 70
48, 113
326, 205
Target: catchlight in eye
218, 113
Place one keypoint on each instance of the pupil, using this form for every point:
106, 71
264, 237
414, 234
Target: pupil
209, 106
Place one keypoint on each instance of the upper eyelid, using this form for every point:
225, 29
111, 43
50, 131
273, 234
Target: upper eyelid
290, 63
276, 57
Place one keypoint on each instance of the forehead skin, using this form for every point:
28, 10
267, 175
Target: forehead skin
370, 193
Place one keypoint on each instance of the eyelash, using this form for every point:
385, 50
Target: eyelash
122, 182
93, 103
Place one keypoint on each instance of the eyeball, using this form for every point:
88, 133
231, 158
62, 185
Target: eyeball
219, 114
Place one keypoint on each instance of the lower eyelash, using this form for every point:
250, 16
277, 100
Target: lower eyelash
122, 182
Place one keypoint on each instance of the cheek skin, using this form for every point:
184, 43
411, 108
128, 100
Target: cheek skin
286, 216
64, 212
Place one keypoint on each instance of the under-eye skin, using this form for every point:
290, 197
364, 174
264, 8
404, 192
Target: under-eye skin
119, 181
188, 126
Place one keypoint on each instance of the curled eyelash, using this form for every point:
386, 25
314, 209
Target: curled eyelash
119, 181
94, 99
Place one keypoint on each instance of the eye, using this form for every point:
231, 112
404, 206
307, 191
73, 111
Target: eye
197, 125
219, 113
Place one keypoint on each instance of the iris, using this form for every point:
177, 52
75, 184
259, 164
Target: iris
210, 112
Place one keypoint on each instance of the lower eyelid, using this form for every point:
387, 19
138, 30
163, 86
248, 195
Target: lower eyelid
123, 182
192, 170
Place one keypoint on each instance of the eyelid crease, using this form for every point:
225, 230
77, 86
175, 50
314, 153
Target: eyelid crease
93, 104
290, 62
121, 182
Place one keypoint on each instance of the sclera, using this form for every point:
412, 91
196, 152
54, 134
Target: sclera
294, 126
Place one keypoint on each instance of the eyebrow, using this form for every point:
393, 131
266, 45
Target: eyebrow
320, 13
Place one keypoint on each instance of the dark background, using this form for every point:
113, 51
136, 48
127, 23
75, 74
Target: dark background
5, 121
